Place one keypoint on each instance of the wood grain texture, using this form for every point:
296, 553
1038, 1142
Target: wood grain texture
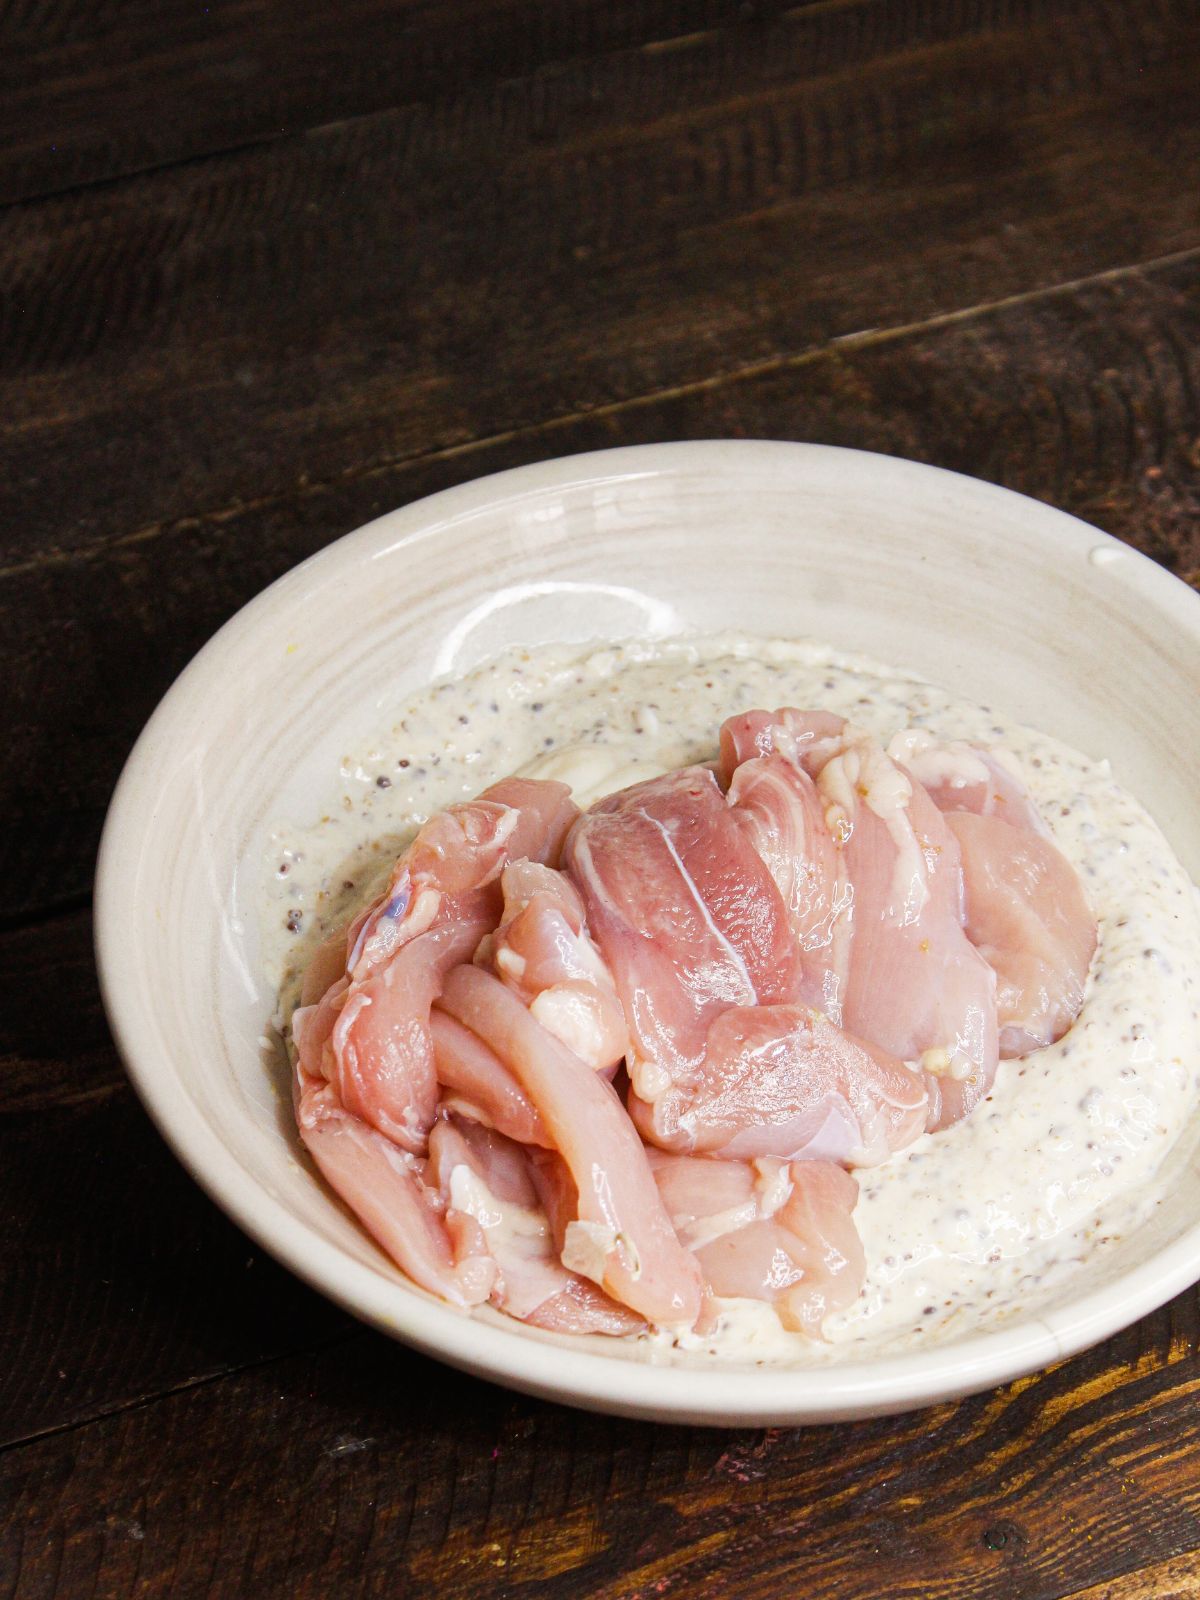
1177, 1579
118, 1278
194, 340
47, 972
1085, 397
362, 1470
96, 91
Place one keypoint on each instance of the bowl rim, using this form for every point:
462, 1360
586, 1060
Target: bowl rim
724, 1394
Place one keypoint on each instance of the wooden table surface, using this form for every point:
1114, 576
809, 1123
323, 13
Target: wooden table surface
268, 270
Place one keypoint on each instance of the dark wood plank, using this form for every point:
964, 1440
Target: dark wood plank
55, 1048
118, 1278
191, 342
366, 1471
1087, 398
89, 92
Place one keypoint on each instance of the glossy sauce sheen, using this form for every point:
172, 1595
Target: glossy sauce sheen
965, 1227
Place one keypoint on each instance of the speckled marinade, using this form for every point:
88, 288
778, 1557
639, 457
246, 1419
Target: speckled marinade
965, 1227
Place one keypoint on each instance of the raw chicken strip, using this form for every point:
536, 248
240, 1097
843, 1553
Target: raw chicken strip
543, 952
484, 1176
1024, 904
769, 1231
757, 1079
1027, 914
759, 733
917, 988
380, 1056
958, 776
622, 1238
478, 1084
369, 1034
784, 1081
385, 1188
451, 870
779, 806
686, 916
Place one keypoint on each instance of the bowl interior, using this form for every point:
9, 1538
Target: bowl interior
994, 596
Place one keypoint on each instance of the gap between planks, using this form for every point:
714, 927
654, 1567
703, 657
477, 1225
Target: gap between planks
861, 340
800, 13
664, 46
234, 1370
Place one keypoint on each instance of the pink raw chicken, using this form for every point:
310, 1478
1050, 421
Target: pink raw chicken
543, 952
1027, 914
916, 987
719, 1062
958, 776
475, 1083
451, 871
686, 916
385, 1188
365, 1088
369, 1033
621, 1237
784, 1081
766, 947
493, 1207
769, 1231
1025, 907
778, 805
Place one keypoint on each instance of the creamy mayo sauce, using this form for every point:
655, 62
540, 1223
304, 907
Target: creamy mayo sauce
965, 1227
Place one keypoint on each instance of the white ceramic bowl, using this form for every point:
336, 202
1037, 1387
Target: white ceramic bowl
990, 594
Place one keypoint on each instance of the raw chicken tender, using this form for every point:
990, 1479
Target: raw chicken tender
958, 776
784, 1081
916, 987
385, 1187
783, 817
476, 1084
621, 1239
493, 1207
1025, 909
720, 1063
687, 918
769, 1231
369, 1033
685, 914
543, 952
451, 871
366, 1089
1027, 915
